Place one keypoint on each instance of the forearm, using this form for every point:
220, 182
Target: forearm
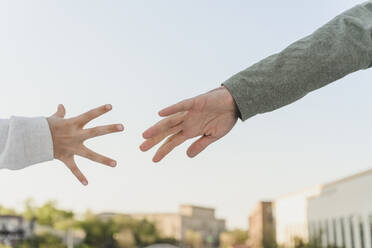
24, 141
342, 46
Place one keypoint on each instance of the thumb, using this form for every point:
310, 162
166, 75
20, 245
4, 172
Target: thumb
61, 112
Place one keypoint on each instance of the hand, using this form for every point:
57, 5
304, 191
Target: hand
69, 136
211, 115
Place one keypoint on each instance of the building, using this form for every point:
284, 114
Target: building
341, 215
290, 213
14, 229
192, 224
168, 224
337, 214
262, 226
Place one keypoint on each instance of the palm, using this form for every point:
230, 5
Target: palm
203, 119
211, 116
69, 136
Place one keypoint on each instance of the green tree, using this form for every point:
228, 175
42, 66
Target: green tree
233, 237
194, 239
315, 243
98, 233
145, 233
42, 241
120, 231
7, 211
49, 215
240, 236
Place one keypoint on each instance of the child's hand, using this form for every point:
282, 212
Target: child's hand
69, 136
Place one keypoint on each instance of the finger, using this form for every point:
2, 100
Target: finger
169, 145
163, 126
83, 119
89, 154
102, 130
61, 111
76, 171
199, 145
178, 107
149, 143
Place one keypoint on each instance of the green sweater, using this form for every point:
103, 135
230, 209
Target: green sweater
342, 46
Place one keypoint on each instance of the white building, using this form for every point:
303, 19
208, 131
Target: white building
338, 213
341, 215
14, 229
290, 213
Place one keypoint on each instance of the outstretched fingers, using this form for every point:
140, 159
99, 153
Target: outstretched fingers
169, 145
83, 119
96, 157
149, 143
199, 145
163, 126
102, 130
76, 171
178, 107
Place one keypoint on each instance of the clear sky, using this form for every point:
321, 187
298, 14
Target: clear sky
141, 56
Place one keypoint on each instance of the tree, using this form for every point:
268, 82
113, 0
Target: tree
125, 238
314, 243
98, 233
7, 211
234, 237
145, 233
194, 239
119, 231
49, 215
42, 241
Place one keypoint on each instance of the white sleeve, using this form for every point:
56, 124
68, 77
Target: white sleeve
24, 142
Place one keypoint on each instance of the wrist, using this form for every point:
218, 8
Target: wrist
229, 101
56, 123
51, 128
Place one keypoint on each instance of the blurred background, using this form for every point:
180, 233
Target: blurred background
141, 56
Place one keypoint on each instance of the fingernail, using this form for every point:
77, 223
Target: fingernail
113, 163
85, 183
190, 154
120, 127
108, 106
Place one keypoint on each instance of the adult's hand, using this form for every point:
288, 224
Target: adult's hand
69, 136
211, 115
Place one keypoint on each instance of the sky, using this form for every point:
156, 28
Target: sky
141, 56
